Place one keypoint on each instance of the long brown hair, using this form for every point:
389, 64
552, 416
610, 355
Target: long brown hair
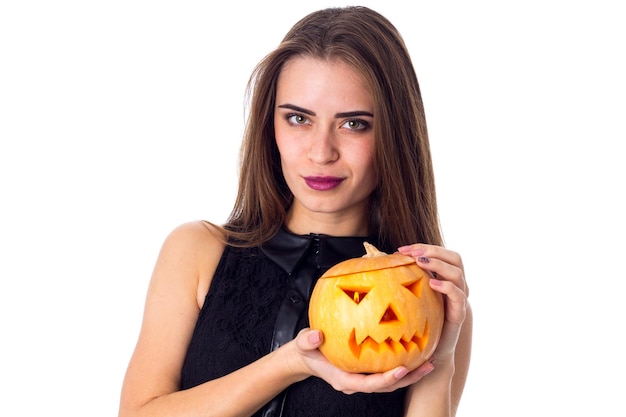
403, 207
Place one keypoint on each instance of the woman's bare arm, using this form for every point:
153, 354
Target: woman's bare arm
176, 292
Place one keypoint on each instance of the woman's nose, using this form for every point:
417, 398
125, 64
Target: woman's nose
323, 149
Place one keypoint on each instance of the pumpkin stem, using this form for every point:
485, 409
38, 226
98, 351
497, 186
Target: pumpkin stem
372, 251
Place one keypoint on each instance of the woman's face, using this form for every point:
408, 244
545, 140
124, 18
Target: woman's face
324, 126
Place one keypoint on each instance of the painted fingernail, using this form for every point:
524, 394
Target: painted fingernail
314, 337
410, 250
423, 259
428, 370
434, 281
400, 373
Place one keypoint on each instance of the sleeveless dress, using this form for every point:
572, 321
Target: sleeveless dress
257, 301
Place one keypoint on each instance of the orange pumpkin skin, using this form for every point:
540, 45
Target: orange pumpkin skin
376, 313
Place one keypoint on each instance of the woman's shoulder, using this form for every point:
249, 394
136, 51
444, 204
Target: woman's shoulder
195, 238
199, 243
197, 232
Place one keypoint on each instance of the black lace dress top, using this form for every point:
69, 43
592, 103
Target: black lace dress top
258, 301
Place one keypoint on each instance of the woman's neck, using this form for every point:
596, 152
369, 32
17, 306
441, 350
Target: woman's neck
303, 222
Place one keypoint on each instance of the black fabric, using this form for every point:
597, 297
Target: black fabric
258, 301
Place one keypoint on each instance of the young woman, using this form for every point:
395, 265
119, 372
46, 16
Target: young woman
335, 152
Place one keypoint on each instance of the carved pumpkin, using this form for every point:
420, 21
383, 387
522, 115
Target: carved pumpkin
376, 312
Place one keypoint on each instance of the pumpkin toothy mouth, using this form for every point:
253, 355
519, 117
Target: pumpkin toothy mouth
390, 317
404, 344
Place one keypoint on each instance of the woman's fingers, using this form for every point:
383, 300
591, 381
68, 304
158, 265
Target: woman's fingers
420, 249
350, 383
456, 302
443, 271
443, 263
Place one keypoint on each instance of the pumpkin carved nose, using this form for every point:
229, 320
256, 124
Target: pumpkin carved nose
389, 315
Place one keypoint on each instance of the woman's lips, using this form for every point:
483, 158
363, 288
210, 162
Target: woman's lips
322, 183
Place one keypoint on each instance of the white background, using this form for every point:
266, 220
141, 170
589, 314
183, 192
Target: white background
120, 120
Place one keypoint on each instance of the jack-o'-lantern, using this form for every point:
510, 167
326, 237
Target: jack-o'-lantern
376, 312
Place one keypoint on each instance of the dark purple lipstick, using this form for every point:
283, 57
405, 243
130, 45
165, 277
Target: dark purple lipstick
322, 183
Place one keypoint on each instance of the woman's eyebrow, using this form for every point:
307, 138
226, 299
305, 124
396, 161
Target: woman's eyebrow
355, 113
297, 108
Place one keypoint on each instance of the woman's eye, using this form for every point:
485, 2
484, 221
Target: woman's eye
356, 124
297, 119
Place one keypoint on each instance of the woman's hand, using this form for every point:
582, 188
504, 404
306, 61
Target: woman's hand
447, 268
307, 343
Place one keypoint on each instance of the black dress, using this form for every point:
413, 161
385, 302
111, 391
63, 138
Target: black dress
258, 301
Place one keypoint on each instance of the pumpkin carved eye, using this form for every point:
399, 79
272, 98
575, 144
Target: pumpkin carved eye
355, 294
415, 287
